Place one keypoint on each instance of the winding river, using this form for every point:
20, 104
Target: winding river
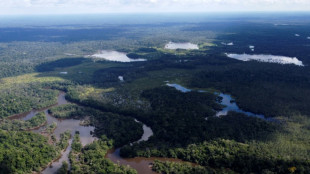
141, 164
227, 101
63, 125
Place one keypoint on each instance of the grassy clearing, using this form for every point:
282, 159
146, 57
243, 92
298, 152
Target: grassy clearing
27, 78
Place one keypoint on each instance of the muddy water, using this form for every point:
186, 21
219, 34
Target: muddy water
28, 115
141, 164
63, 125
57, 164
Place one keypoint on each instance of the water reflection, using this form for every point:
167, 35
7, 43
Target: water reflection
185, 46
147, 132
114, 56
63, 125
227, 101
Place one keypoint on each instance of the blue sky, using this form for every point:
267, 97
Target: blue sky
142, 6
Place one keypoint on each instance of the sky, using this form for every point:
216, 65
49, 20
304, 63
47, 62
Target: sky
147, 6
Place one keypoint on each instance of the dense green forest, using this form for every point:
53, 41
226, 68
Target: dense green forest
60, 63
183, 123
91, 158
24, 152
260, 88
122, 130
66, 111
22, 98
63, 142
239, 157
183, 168
50, 128
18, 125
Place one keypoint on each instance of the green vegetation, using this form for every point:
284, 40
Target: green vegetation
64, 168
184, 168
66, 111
20, 125
50, 128
76, 143
239, 157
64, 138
24, 152
234, 143
22, 98
61, 63
91, 159
122, 130
248, 81
184, 122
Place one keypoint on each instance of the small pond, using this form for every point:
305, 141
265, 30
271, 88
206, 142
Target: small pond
185, 46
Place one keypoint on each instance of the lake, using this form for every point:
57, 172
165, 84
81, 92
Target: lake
63, 125
226, 100
185, 46
266, 58
115, 56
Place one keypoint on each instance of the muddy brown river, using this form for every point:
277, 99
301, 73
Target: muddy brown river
141, 164
63, 125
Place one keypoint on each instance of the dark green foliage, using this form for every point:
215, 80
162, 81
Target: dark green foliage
76, 143
239, 157
67, 111
61, 63
185, 168
233, 126
110, 75
37, 120
179, 119
92, 160
261, 88
64, 168
242, 128
121, 129
24, 152
64, 138
50, 128
182, 114
14, 69
25, 97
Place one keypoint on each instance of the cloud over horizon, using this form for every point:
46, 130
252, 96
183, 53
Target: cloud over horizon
131, 6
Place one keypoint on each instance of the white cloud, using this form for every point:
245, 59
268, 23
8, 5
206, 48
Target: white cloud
102, 6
